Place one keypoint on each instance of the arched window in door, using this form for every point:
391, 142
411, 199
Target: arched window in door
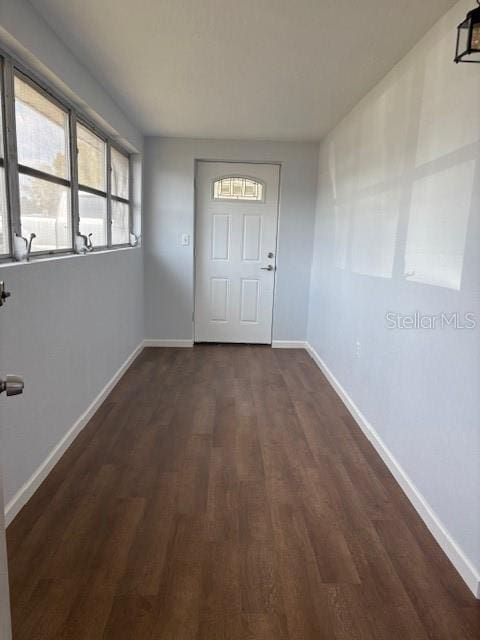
238, 188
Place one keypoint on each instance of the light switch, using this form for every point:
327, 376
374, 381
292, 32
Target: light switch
185, 239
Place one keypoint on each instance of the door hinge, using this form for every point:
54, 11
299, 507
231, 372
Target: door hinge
3, 293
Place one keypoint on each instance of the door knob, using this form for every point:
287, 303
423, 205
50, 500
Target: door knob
269, 268
12, 385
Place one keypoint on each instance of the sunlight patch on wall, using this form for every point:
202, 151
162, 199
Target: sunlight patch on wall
448, 119
438, 224
375, 234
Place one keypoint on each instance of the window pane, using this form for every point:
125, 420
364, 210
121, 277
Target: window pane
45, 211
91, 159
120, 223
42, 131
93, 217
4, 236
120, 167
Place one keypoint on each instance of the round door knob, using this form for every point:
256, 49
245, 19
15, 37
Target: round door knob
12, 385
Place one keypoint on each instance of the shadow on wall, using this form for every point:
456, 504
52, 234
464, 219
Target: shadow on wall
402, 174
172, 310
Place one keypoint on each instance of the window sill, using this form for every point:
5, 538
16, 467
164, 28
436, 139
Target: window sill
66, 256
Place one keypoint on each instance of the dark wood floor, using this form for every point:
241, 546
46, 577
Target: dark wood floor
225, 492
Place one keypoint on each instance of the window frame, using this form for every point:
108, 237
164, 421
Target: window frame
22, 169
10, 68
4, 160
92, 190
113, 198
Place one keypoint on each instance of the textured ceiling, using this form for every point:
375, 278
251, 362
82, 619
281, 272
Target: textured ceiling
255, 69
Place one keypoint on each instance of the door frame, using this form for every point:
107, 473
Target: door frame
197, 161
5, 609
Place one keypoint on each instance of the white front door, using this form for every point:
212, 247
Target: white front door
235, 251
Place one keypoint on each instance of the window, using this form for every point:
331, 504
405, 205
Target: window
4, 228
238, 188
92, 185
42, 129
120, 198
60, 176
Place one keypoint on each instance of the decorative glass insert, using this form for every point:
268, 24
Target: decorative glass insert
238, 188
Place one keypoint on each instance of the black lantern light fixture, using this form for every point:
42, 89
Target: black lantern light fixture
468, 37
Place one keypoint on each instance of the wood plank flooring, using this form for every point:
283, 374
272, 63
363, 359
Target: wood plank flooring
224, 492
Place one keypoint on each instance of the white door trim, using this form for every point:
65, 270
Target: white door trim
279, 164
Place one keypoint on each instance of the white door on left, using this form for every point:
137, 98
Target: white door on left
10, 385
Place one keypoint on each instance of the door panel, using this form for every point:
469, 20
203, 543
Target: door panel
235, 242
219, 299
250, 298
220, 236
252, 237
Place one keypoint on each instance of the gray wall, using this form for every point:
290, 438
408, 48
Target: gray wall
71, 321
68, 327
169, 212
25, 33
398, 229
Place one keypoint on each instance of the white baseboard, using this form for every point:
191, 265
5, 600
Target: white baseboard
456, 556
289, 344
155, 342
28, 489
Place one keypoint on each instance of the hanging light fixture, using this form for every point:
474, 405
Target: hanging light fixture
468, 37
